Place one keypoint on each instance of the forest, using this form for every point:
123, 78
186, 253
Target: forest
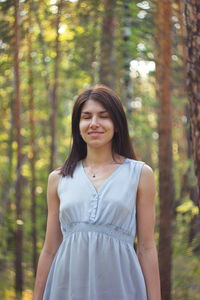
149, 53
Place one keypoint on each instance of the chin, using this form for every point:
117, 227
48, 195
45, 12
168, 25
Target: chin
98, 144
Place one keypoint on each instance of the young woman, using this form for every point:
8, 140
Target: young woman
97, 202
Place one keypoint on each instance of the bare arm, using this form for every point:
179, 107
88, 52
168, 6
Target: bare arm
53, 237
146, 248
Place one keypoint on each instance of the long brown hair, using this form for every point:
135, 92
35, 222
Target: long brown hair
121, 143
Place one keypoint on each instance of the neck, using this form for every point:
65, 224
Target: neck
98, 156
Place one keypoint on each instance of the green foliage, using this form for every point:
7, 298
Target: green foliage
80, 36
186, 269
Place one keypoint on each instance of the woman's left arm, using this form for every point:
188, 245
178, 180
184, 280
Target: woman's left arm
146, 248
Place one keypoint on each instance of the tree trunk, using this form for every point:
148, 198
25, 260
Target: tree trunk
193, 193
127, 93
18, 186
107, 60
32, 153
6, 224
166, 186
55, 89
43, 46
188, 187
192, 14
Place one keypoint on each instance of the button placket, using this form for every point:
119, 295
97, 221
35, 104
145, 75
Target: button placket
93, 206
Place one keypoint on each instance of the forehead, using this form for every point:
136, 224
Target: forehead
92, 106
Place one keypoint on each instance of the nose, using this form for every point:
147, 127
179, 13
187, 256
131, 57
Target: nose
94, 122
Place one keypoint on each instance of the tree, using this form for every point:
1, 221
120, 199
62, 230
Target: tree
189, 186
166, 189
32, 153
192, 14
18, 186
55, 88
107, 56
126, 54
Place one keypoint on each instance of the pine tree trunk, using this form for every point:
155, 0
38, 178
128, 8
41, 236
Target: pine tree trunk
18, 186
43, 46
107, 56
188, 188
166, 186
55, 89
32, 153
128, 88
193, 192
192, 13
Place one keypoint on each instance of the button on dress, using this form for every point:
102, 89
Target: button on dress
96, 259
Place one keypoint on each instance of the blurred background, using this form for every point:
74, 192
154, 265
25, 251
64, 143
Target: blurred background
148, 52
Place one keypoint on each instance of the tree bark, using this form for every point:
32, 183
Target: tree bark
107, 56
18, 186
192, 14
55, 89
188, 187
32, 153
166, 186
127, 94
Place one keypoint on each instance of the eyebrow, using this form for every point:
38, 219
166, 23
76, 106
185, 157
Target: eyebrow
100, 112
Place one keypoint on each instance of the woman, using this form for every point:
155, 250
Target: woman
97, 201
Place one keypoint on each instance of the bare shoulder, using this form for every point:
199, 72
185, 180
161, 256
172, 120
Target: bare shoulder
147, 171
53, 178
147, 180
54, 175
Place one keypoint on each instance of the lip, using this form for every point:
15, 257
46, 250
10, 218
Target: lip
95, 132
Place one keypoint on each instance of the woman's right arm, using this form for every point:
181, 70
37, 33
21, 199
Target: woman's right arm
53, 236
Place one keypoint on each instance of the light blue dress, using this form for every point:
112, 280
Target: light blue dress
96, 259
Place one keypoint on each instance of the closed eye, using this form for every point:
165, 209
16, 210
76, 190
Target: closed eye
87, 116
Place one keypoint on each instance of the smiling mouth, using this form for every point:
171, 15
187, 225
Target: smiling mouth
95, 132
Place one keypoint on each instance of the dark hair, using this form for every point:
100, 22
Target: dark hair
121, 143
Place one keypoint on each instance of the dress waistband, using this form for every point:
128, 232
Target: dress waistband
110, 230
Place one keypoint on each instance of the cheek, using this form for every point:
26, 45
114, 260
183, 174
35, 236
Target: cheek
82, 126
112, 127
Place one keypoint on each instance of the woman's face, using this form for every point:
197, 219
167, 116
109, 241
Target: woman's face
96, 127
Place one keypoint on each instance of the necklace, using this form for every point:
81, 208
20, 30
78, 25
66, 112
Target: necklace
94, 174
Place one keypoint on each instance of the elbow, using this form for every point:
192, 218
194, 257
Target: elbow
48, 253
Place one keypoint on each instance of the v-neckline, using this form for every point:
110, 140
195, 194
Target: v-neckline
97, 191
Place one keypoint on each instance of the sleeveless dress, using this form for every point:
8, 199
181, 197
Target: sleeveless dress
96, 259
